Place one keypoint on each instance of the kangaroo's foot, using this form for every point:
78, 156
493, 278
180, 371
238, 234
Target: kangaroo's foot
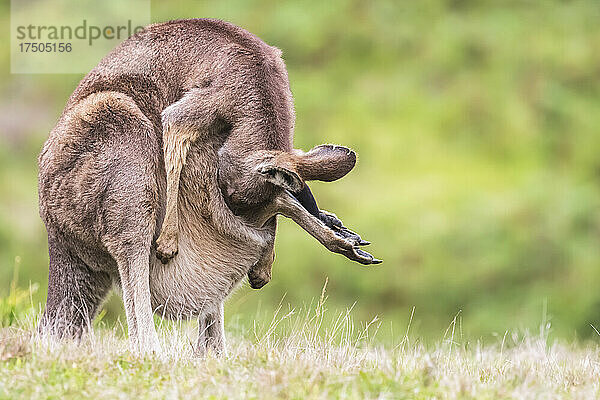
75, 292
211, 334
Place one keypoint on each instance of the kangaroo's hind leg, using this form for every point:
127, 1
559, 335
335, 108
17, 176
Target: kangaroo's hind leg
211, 333
74, 292
130, 224
128, 164
134, 275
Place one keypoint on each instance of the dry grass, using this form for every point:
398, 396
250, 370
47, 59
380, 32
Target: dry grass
295, 356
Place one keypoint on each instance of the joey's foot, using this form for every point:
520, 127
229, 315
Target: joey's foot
334, 223
346, 242
350, 249
166, 247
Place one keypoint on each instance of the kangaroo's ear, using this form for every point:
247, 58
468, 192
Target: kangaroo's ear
281, 176
326, 162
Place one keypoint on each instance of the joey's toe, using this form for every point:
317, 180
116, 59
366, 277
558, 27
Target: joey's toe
330, 220
362, 257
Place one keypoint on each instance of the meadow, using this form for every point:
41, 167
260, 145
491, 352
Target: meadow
478, 183
294, 355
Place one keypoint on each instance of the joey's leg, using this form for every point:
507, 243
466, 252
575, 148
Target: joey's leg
260, 273
183, 124
306, 198
287, 205
211, 333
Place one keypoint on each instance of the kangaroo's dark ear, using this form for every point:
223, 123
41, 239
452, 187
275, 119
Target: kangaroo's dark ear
281, 176
326, 162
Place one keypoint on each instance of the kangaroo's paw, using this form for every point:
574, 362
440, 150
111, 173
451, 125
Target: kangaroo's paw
259, 277
166, 247
260, 273
330, 219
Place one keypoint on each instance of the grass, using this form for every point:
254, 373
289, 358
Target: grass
295, 356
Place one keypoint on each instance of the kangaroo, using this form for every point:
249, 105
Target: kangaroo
165, 174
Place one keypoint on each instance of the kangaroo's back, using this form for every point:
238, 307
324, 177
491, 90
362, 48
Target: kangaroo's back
159, 65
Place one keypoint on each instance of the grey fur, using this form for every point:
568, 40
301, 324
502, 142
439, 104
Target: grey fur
177, 146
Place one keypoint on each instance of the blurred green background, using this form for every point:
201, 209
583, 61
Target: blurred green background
478, 182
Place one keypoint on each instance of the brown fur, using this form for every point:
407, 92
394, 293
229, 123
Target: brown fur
178, 145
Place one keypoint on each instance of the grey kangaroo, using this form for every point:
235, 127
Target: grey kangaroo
164, 176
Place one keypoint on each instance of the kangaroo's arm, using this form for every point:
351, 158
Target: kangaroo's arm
260, 273
184, 122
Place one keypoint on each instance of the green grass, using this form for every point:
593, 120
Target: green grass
293, 366
294, 356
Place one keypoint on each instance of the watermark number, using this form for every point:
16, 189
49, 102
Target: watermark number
34, 47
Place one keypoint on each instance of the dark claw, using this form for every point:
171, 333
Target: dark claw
365, 258
354, 254
361, 256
